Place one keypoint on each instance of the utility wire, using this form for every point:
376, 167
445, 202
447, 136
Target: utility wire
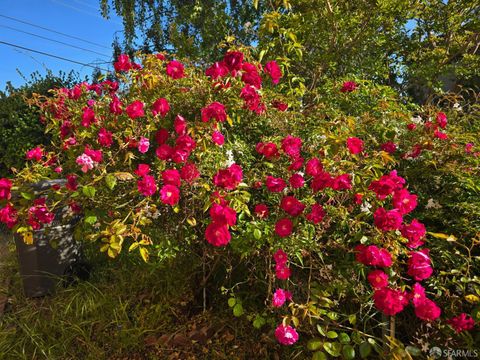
51, 55
81, 10
53, 40
53, 31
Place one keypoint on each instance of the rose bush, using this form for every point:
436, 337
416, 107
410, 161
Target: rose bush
320, 201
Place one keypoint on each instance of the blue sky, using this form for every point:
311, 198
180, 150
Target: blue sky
80, 18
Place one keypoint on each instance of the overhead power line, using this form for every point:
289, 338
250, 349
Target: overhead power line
53, 40
51, 55
54, 31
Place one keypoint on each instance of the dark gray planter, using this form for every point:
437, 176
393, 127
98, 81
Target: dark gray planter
53, 255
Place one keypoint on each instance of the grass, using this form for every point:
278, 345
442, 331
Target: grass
127, 310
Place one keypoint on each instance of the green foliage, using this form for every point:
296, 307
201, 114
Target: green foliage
20, 124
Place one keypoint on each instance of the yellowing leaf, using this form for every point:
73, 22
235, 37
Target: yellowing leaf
144, 254
472, 299
28, 238
192, 221
443, 236
133, 246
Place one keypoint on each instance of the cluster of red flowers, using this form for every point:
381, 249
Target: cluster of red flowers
390, 300
233, 64
286, 335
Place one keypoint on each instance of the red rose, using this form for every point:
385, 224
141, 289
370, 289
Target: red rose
355, 145
296, 181
218, 138
292, 206
146, 185
414, 232
461, 322
314, 167
228, 178
169, 194
171, 177
142, 170
71, 184
261, 210
189, 173
419, 265
274, 71
180, 125
123, 63
390, 147
105, 137
316, 214
404, 201
223, 214
8, 216
217, 234
442, 120
284, 227
321, 181
275, 184
217, 70
164, 152
387, 220
378, 279
160, 106
349, 86
115, 106
292, 145
233, 60
5, 187
214, 111
390, 301
88, 117
135, 110
161, 136
175, 69
427, 310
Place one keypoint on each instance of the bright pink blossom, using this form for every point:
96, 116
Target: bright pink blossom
378, 279
275, 184
419, 265
142, 169
218, 138
274, 71
390, 301
146, 185
355, 145
180, 125
214, 111
233, 60
280, 257
296, 181
5, 187
8, 216
373, 256
292, 145
427, 310
160, 107
169, 194
387, 184
175, 69
280, 296
35, 154
286, 335
171, 177
461, 323
189, 173
135, 110
442, 120
123, 63
105, 137
349, 86
282, 272
115, 106
85, 162
223, 214
217, 234
88, 117
228, 178
314, 167
143, 145
414, 233
218, 69
404, 201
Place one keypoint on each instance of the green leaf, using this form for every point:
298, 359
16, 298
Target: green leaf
333, 349
319, 355
365, 350
89, 191
91, 219
238, 310
26, 195
321, 330
352, 319
257, 234
332, 335
232, 302
314, 344
348, 352
111, 181
258, 322
344, 338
